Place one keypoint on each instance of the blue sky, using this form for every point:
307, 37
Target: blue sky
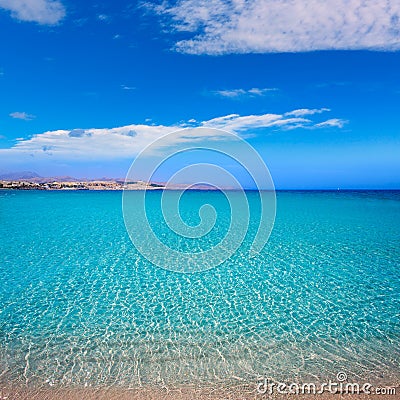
84, 86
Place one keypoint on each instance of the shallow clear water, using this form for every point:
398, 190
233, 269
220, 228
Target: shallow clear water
80, 306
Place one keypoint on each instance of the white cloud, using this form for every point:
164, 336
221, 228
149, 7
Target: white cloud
307, 111
45, 12
235, 122
22, 115
125, 87
103, 17
128, 141
239, 93
330, 123
268, 26
87, 144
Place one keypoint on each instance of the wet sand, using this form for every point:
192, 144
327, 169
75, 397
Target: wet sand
151, 393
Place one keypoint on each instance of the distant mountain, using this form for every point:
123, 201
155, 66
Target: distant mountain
30, 176
25, 175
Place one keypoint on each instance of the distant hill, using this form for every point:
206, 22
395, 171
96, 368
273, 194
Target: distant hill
29, 176
13, 176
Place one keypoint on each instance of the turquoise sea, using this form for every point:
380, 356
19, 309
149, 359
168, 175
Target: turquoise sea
80, 306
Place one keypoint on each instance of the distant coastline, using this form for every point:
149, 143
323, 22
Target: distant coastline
28, 180
119, 185
79, 185
69, 183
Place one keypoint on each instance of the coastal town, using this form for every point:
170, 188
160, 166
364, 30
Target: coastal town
78, 185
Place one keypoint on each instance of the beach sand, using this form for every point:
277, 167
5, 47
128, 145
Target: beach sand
152, 393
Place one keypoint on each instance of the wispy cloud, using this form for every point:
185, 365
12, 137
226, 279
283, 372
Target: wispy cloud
22, 115
125, 87
235, 122
240, 93
103, 17
127, 141
265, 26
44, 12
306, 111
330, 123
